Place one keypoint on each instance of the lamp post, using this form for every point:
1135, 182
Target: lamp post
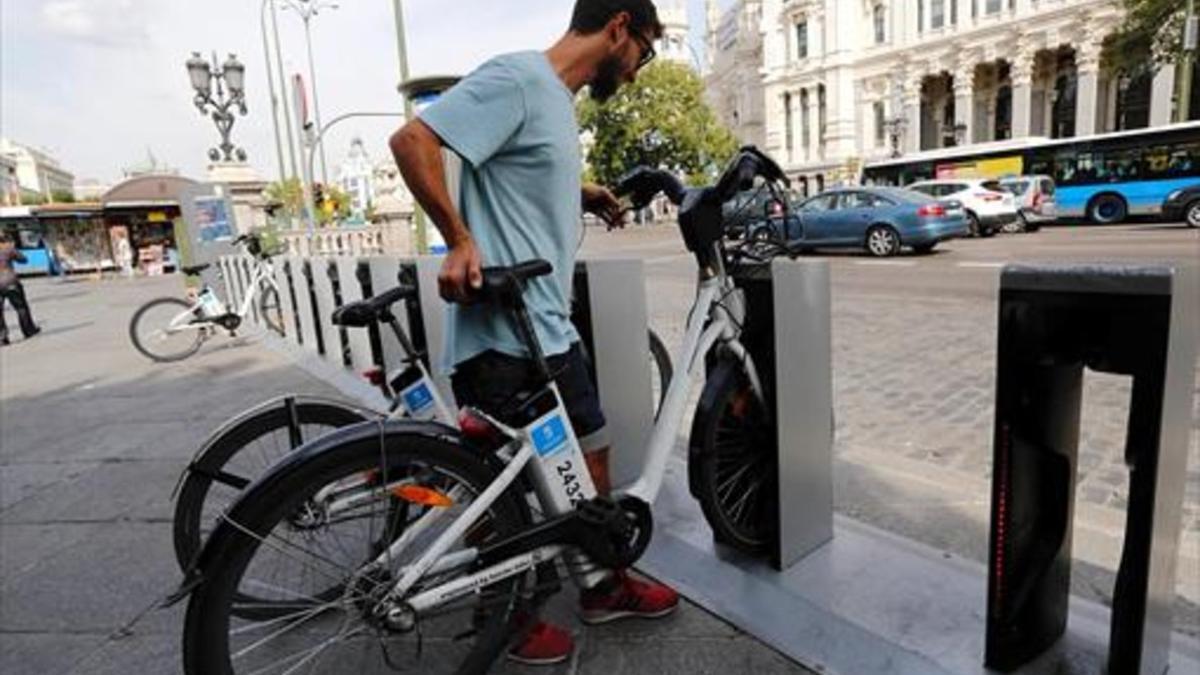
419, 221
262, 21
307, 9
232, 74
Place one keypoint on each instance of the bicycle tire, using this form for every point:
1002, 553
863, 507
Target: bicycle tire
662, 361
732, 464
270, 309
209, 623
135, 337
212, 464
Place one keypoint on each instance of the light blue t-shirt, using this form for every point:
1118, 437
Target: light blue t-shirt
513, 122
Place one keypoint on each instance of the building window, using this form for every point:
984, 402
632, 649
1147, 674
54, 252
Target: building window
953, 12
974, 8
802, 40
920, 15
937, 13
880, 18
805, 118
821, 114
789, 135
880, 124
993, 6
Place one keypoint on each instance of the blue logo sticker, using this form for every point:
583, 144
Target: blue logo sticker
550, 436
418, 398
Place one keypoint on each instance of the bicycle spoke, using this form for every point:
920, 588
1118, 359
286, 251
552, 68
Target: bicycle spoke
267, 541
306, 655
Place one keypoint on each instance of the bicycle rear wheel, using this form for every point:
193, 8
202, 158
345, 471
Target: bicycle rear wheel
269, 554
240, 454
150, 331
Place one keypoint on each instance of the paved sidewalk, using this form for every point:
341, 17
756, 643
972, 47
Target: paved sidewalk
92, 440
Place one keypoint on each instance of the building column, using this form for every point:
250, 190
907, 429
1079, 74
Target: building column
1087, 74
1162, 94
814, 125
964, 99
964, 14
912, 113
1021, 74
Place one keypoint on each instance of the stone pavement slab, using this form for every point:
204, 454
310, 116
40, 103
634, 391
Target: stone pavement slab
92, 439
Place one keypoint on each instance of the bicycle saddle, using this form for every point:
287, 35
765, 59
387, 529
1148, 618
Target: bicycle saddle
377, 309
194, 270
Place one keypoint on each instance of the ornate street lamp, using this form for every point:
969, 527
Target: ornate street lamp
231, 74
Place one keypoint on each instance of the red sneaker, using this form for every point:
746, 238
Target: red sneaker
543, 645
628, 598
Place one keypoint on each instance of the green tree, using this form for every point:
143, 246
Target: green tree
661, 120
1152, 34
288, 198
62, 197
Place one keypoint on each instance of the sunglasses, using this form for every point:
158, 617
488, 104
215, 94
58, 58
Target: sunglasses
647, 49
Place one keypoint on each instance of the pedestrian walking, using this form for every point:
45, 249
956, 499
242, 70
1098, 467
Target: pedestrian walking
12, 291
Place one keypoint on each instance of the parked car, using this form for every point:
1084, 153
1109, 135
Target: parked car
989, 207
1035, 201
881, 220
1183, 204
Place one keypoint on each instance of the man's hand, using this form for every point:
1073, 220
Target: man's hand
598, 200
462, 272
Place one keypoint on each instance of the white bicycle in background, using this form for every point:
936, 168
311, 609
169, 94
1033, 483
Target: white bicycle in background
172, 329
402, 546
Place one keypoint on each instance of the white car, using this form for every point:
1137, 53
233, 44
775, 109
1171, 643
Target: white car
989, 206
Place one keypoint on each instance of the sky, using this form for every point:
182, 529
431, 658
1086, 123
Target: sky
102, 83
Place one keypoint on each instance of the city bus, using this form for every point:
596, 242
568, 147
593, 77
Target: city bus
1103, 178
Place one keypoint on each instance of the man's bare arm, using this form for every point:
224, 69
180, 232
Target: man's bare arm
418, 153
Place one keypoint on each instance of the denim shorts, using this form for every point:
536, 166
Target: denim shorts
493, 381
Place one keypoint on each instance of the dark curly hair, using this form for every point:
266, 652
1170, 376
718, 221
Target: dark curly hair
591, 16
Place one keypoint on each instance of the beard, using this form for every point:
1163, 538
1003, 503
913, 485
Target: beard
607, 80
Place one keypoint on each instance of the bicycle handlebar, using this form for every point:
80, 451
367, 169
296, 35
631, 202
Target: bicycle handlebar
642, 183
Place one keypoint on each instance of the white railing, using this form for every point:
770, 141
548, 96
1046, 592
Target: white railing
389, 238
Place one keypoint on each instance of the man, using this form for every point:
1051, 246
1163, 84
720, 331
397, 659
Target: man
513, 122
12, 291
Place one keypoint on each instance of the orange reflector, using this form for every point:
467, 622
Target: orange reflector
423, 496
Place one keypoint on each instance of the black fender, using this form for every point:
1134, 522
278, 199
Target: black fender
726, 369
198, 459
225, 532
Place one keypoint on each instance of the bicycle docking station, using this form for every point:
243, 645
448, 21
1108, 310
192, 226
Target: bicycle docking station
835, 594
868, 601
1054, 323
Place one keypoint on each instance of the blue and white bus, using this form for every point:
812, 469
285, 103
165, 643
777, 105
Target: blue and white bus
1103, 178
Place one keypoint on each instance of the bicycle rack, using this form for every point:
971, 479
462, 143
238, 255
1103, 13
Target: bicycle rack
610, 315
1054, 322
788, 332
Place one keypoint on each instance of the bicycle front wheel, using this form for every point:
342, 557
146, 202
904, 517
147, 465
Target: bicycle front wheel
161, 331
283, 550
660, 372
270, 308
733, 463
240, 454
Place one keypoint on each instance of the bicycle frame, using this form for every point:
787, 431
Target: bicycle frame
716, 315
186, 320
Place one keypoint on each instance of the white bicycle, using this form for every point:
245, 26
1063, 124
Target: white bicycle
414, 546
172, 329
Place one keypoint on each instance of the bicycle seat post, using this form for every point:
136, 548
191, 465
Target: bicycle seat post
529, 337
410, 352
